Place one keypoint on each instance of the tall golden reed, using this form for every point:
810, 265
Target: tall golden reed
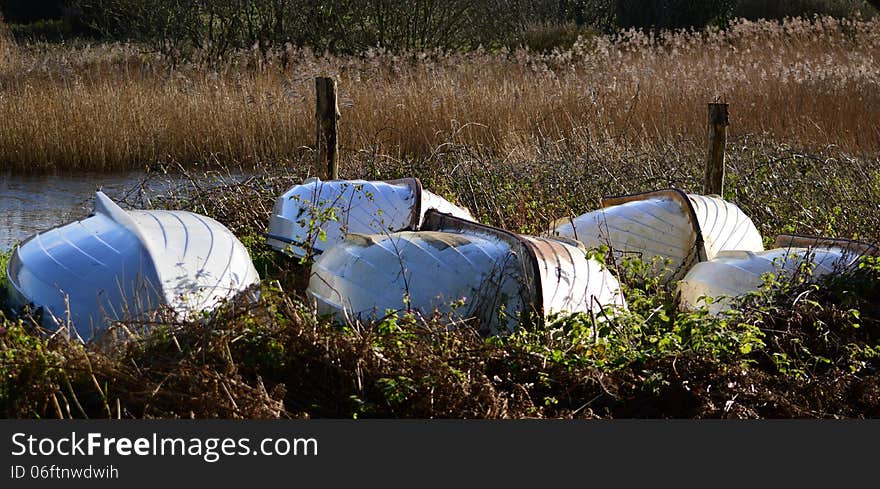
809, 83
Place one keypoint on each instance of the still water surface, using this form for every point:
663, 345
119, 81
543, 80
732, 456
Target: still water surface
32, 203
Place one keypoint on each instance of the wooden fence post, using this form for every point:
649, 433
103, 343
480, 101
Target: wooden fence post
718, 121
326, 116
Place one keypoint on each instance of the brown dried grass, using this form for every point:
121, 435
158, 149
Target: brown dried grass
810, 84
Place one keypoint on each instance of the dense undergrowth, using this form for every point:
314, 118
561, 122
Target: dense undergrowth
793, 349
783, 356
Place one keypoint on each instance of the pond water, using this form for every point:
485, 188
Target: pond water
33, 203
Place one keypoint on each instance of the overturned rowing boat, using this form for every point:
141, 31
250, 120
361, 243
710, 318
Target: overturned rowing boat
462, 269
120, 264
733, 274
318, 214
665, 225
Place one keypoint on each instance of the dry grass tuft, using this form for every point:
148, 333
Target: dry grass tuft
807, 83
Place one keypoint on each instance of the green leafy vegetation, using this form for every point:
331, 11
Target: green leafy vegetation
793, 348
5, 256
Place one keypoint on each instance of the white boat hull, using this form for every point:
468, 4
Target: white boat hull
733, 274
317, 214
462, 270
667, 228
120, 264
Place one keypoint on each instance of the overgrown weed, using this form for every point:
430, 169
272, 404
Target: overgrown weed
781, 354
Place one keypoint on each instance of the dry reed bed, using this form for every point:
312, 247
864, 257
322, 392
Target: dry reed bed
807, 83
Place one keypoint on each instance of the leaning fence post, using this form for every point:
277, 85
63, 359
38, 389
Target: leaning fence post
718, 121
326, 117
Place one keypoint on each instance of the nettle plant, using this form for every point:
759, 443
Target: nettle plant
4, 262
315, 215
651, 327
312, 218
813, 326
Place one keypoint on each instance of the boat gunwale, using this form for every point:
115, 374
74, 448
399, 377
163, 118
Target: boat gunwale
789, 240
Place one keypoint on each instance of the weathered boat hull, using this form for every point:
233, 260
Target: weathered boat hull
569, 281
119, 264
317, 214
460, 269
666, 225
733, 274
